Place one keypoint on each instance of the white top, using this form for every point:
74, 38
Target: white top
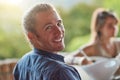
105, 54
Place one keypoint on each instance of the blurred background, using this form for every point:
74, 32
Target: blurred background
76, 15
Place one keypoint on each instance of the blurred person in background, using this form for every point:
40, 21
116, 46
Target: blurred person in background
45, 31
104, 43
104, 29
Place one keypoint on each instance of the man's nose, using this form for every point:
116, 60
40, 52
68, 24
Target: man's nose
58, 30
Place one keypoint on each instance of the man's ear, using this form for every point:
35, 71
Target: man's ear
33, 39
31, 36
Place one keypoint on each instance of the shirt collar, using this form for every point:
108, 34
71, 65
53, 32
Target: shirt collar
49, 55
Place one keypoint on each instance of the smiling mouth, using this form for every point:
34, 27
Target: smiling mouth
59, 39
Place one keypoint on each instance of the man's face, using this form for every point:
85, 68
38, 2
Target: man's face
49, 31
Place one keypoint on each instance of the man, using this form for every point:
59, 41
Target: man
45, 31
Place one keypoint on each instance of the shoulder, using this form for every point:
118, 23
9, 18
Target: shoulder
29, 56
55, 66
116, 40
24, 57
64, 72
90, 49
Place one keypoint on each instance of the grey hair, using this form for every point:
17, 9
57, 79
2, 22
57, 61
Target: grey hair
28, 21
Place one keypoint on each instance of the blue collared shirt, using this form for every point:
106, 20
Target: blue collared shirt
42, 65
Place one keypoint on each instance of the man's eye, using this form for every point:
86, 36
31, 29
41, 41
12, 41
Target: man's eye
60, 24
48, 27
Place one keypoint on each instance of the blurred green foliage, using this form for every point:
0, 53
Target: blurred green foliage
77, 25
76, 21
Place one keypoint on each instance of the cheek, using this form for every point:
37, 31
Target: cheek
47, 38
101, 31
116, 31
104, 31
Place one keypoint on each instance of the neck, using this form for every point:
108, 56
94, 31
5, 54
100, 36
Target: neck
104, 40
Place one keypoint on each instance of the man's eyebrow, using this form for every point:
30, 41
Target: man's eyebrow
47, 25
60, 20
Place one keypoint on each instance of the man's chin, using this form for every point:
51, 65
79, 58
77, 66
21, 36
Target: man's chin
60, 48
